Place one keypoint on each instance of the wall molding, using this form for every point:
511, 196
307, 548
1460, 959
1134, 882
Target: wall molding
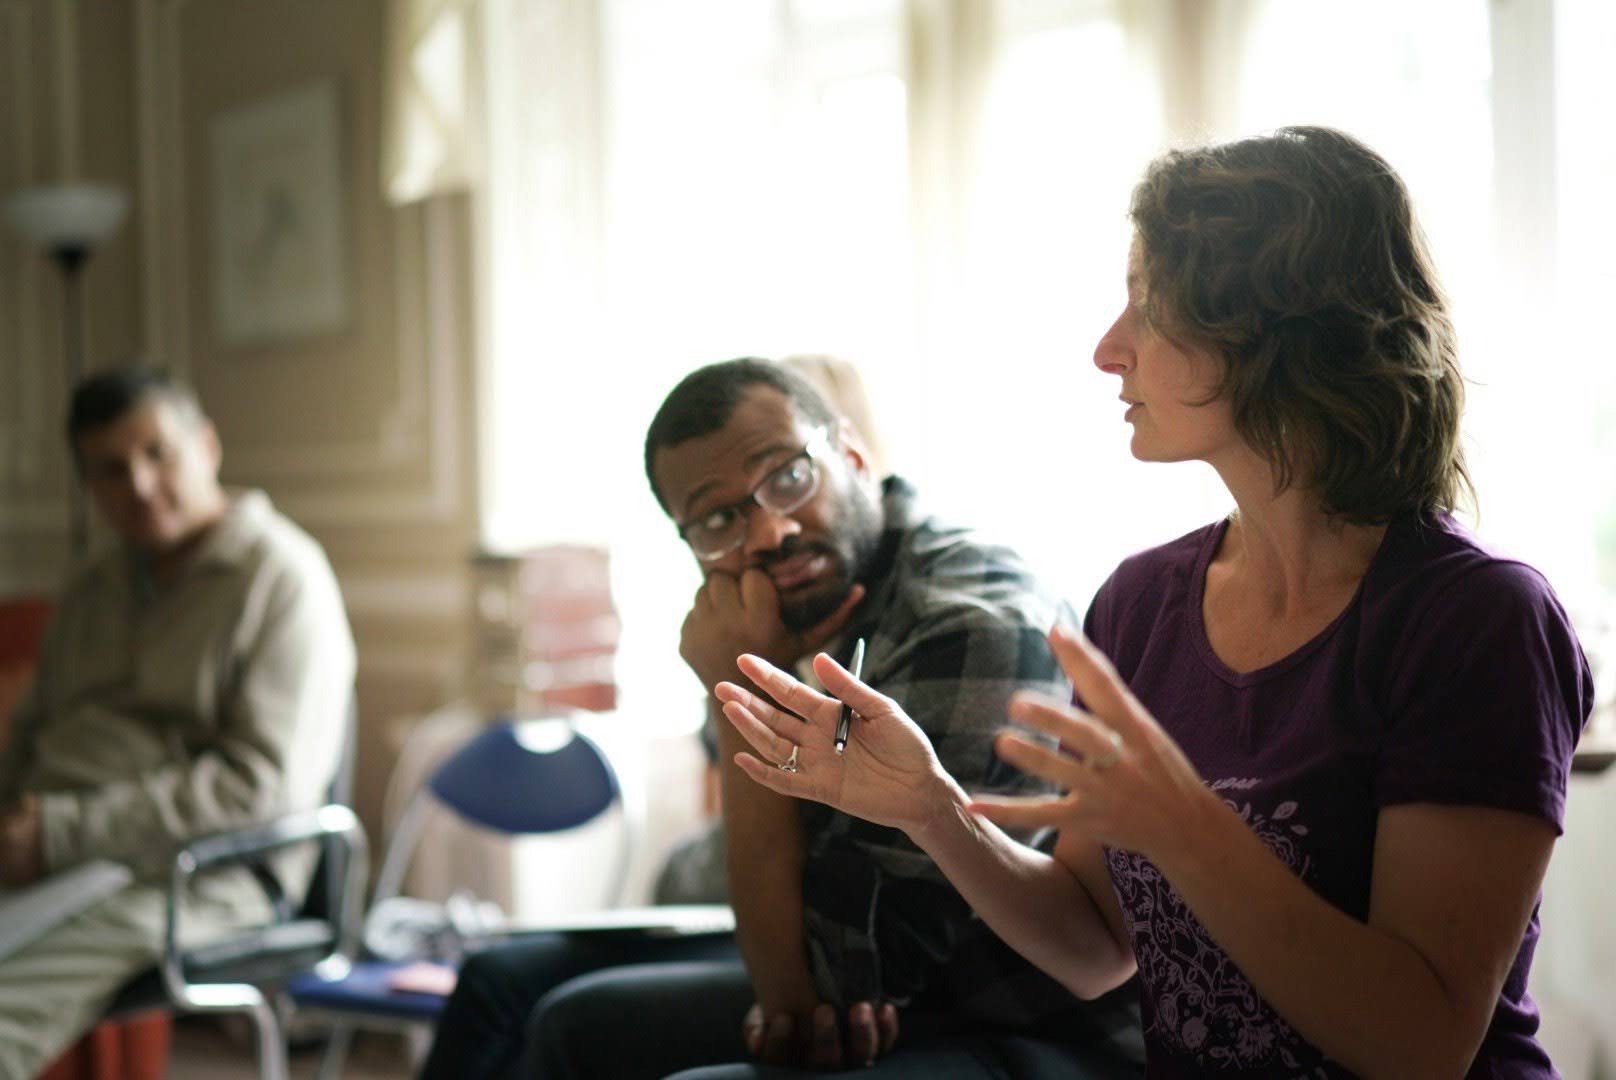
67, 87
28, 509
432, 321
439, 668
413, 597
420, 427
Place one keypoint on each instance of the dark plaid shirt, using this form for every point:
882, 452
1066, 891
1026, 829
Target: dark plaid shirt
953, 627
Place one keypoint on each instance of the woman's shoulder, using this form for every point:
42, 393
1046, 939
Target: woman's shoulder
1149, 569
1432, 565
1445, 613
1147, 584
1476, 663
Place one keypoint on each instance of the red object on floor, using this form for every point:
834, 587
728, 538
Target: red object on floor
133, 1049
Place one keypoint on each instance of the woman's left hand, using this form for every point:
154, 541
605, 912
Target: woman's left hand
1126, 783
888, 773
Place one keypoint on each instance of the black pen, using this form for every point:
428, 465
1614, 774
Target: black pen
845, 724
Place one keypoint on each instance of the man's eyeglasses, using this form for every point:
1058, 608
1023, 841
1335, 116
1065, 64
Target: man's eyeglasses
720, 531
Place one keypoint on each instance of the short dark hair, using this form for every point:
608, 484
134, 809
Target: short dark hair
107, 396
705, 399
1296, 259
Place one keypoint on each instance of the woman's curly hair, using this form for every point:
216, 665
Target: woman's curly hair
1295, 258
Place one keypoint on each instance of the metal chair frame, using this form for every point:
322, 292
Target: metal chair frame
243, 973
254, 997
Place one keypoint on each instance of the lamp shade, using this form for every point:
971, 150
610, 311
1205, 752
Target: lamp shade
73, 216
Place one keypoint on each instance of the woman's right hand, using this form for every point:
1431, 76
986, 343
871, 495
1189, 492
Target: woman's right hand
888, 772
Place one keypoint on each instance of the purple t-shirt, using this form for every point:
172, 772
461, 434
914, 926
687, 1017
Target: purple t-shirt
1452, 677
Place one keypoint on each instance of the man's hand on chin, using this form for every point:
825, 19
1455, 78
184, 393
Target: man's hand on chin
22, 858
731, 616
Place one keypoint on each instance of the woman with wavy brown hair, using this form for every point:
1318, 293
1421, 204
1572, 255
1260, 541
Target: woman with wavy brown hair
1319, 756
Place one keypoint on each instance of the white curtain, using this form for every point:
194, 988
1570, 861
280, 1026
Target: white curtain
432, 124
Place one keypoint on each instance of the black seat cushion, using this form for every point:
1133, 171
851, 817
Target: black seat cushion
267, 955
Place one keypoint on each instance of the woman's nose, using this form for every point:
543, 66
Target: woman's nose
1114, 354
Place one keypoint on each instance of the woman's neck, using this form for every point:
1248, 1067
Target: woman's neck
1283, 548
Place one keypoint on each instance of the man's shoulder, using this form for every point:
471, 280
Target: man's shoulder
284, 574
262, 539
951, 573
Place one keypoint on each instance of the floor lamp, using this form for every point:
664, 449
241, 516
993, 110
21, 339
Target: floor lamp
67, 221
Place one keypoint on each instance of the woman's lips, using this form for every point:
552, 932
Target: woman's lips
798, 570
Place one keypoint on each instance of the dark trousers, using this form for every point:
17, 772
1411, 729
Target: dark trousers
645, 1022
480, 1034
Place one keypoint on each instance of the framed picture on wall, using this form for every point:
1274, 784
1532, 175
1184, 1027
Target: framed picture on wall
279, 235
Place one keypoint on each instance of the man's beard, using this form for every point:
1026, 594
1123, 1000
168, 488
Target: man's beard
851, 550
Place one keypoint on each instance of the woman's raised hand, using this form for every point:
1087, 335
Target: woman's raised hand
888, 772
1126, 783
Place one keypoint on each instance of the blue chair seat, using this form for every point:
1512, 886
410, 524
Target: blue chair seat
366, 989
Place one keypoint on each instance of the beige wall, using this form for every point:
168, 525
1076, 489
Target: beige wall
362, 435
63, 115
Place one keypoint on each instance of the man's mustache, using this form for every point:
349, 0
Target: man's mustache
791, 546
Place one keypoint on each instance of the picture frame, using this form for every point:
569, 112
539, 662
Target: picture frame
279, 228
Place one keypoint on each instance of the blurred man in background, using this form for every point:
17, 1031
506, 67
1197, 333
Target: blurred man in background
195, 678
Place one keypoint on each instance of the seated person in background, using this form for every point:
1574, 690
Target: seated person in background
851, 936
1313, 800
693, 872
195, 678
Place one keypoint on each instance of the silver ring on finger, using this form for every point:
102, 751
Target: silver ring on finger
790, 763
1112, 755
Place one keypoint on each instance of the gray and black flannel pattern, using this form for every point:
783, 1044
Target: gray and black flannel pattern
953, 627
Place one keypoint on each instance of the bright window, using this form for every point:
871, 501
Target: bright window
1021, 435
776, 177
1585, 177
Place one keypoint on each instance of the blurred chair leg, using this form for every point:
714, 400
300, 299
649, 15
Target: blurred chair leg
271, 1032
418, 1043
335, 1057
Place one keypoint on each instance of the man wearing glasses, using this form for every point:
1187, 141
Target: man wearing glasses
848, 932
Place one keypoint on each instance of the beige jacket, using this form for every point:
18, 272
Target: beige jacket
161, 715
